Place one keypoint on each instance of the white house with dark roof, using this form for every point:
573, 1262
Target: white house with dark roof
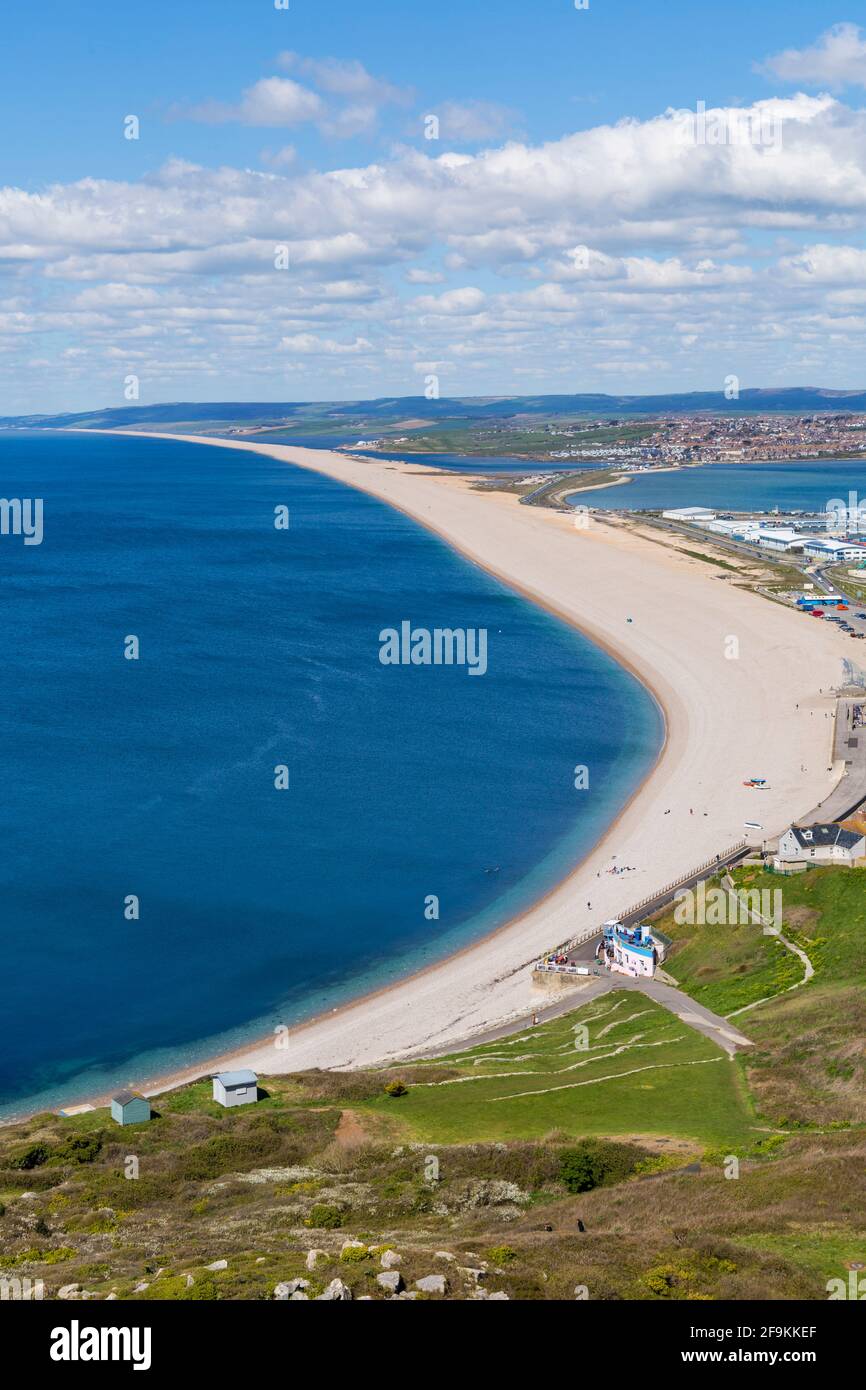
821, 844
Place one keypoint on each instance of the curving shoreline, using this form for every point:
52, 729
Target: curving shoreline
722, 718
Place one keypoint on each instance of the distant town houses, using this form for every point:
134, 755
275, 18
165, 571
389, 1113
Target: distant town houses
821, 844
734, 438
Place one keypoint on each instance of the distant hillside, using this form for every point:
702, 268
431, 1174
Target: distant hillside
793, 400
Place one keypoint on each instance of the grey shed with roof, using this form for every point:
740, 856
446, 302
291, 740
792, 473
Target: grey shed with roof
130, 1108
236, 1088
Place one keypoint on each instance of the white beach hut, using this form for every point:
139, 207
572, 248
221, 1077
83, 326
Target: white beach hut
236, 1088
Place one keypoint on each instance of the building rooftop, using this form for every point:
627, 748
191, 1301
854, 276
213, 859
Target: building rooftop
236, 1078
809, 835
124, 1097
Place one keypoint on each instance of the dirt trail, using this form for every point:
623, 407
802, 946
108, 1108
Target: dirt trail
350, 1132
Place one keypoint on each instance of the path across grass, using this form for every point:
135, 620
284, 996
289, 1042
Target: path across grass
620, 1065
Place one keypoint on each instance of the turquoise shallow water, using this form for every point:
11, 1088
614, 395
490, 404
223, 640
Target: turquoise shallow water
155, 777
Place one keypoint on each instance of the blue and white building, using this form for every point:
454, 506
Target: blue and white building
634, 951
833, 551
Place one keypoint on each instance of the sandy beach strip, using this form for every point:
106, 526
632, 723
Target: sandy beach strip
672, 620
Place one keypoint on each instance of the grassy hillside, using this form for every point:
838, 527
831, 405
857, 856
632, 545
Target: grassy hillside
547, 1162
642, 1073
809, 1065
321, 1165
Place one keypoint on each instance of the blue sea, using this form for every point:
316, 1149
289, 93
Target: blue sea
154, 778
801, 485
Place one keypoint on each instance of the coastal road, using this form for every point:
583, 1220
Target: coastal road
849, 747
719, 1030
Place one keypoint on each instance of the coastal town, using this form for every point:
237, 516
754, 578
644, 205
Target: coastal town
433, 568
709, 438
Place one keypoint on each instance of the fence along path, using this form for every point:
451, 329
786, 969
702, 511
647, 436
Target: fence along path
658, 899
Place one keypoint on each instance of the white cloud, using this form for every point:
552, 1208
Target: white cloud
698, 258
837, 59
272, 101
471, 121
417, 275
282, 158
462, 301
309, 343
826, 265
346, 78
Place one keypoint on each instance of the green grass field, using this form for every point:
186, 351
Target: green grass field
727, 967
809, 1065
642, 1073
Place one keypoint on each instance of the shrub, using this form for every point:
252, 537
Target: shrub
502, 1255
593, 1163
665, 1280
76, 1148
354, 1254
324, 1217
31, 1157
396, 1088
228, 1153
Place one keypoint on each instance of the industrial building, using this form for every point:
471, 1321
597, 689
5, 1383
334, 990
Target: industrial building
693, 514
833, 551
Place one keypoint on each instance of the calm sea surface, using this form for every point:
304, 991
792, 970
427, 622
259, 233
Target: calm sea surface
154, 778
804, 485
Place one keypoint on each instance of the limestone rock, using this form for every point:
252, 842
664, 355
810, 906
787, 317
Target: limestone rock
432, 1283
336, 1291
284, 1291
392, 1280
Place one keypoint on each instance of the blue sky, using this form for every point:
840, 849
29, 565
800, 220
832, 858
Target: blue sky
67, 72
409, 256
